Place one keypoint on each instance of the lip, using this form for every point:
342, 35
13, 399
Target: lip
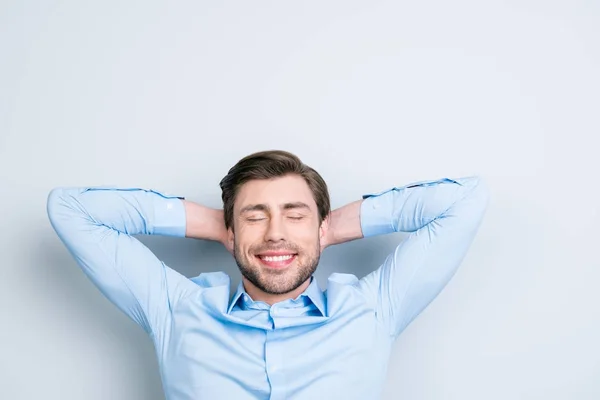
277, 264
276, 253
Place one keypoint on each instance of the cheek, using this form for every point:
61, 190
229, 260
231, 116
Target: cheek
307, 237
246, 239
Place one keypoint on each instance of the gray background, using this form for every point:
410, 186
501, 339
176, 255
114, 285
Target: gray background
372, 94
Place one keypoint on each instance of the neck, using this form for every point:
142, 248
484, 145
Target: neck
258, 295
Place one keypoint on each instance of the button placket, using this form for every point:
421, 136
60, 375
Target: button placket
274, 364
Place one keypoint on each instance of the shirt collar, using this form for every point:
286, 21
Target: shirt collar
312, 294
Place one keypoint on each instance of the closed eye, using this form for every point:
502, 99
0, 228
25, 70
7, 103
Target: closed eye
263, 218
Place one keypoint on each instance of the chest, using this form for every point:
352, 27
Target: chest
219, 355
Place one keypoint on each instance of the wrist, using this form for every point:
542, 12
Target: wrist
204, 223
344, 225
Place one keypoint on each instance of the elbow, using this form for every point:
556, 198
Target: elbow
475, 194
58, 205
475, 186
54, 203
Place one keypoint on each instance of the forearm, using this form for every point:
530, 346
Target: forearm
411, 207
127, 210
135, 211
204, 222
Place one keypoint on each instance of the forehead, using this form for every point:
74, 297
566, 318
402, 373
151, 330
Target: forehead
275, 192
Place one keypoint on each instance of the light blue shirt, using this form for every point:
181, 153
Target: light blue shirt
332, 344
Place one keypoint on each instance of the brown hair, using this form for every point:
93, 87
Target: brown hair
267, 165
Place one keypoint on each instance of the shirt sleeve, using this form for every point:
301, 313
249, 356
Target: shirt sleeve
441, 218
96, 225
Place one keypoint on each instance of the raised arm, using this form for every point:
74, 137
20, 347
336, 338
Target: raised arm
96, 225
442, 217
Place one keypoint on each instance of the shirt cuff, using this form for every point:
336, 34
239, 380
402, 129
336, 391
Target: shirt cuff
376, 214
169, 215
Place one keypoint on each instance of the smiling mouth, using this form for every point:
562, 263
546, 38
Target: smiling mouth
277, 261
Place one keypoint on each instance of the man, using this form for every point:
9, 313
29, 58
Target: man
279, 336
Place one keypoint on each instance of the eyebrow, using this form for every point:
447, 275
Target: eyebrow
266, 208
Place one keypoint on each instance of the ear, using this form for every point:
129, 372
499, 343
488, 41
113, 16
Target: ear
230, 236
324, 233
229, 241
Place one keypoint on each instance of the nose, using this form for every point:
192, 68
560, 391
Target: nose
275, 230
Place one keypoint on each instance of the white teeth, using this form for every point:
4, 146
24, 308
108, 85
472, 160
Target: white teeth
277, 258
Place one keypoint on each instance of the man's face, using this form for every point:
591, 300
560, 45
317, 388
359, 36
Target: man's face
277, 240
